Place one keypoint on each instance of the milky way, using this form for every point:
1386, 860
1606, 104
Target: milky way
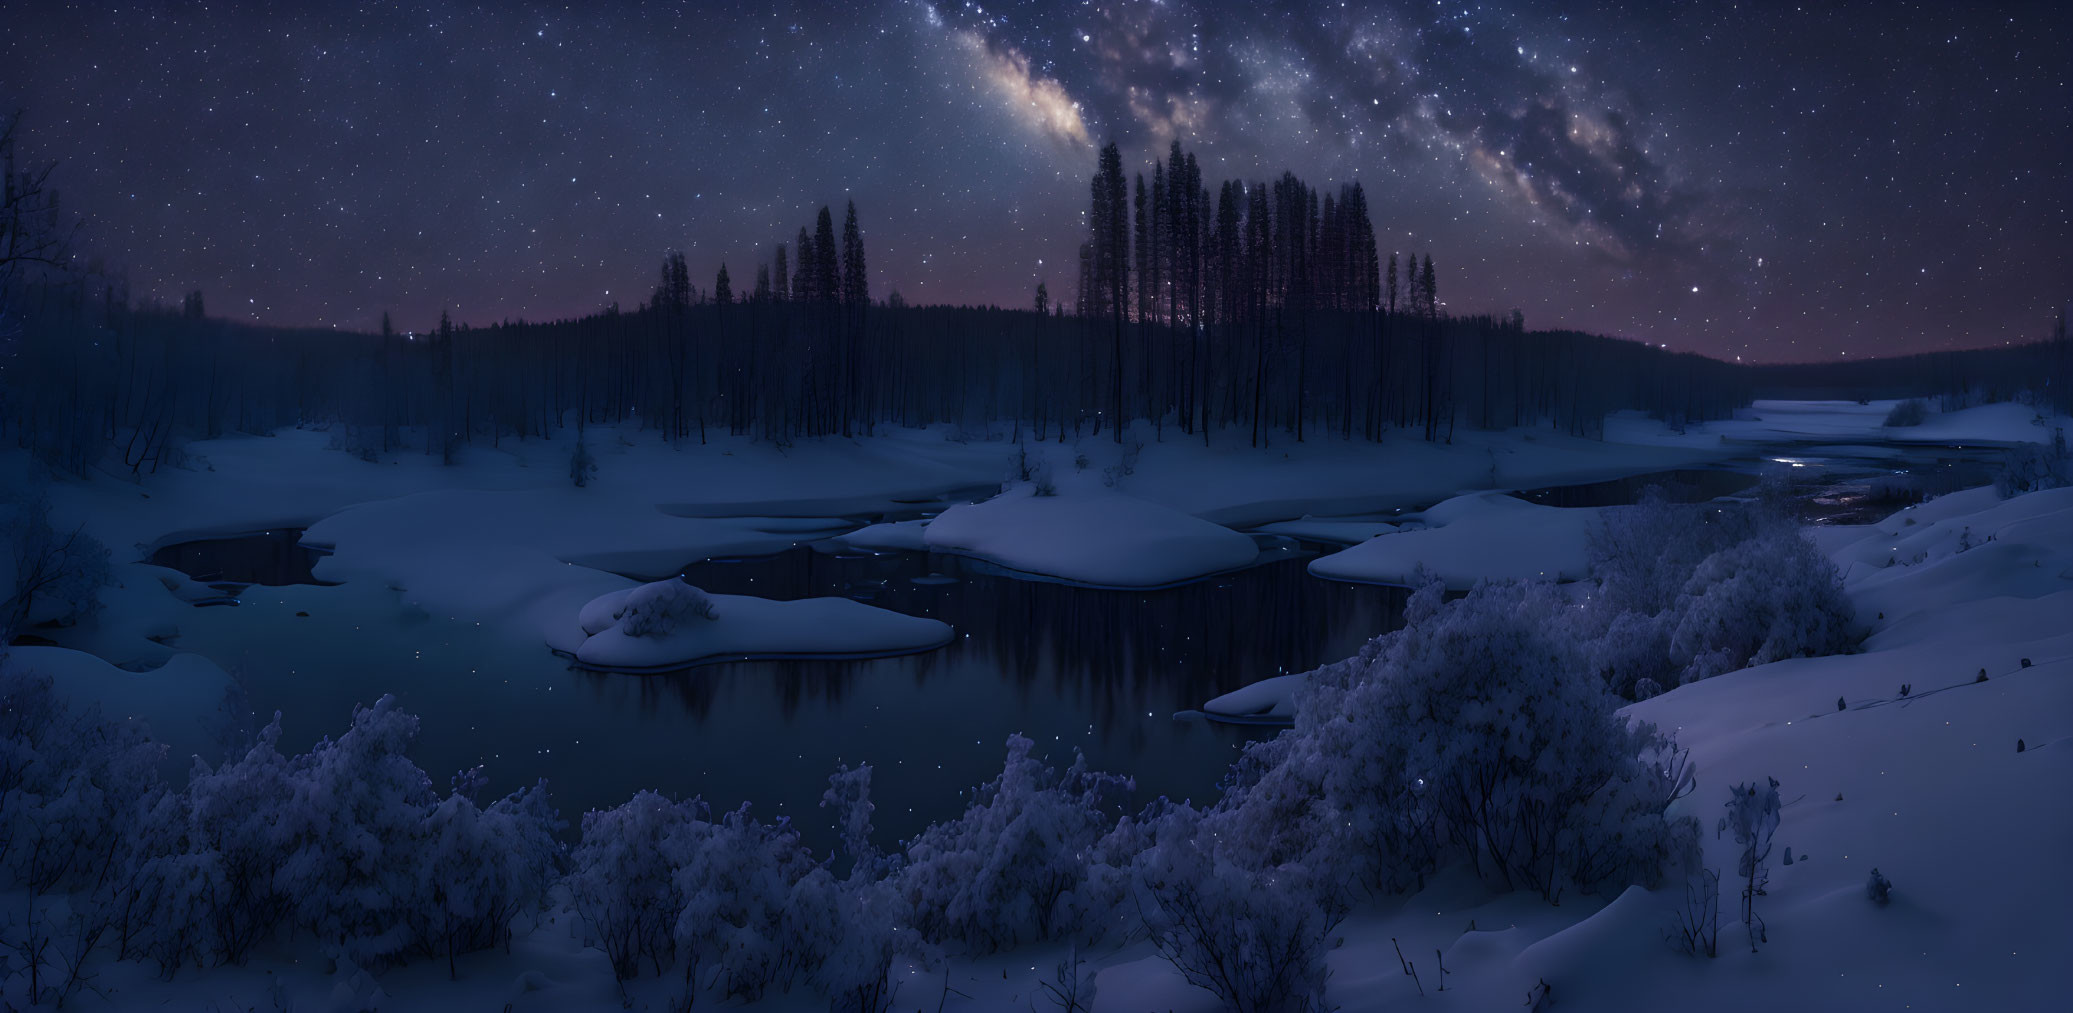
1771, 183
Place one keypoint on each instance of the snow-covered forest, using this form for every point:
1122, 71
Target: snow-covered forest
1235, 626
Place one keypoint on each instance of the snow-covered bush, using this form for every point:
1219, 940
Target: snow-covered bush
235, 847
2030, 467
349, 836
479, 869
1005, 871
1752, 816
1034, 469
1912, 412
363, 442
1125, 466
657, 609
849, 798
848, 932
350, 843
1254, 935
1878, 888
582, 464
624, 884
46, 575
1767, 598
1477, 731
1642, 554
74, 792
1688, 592
736, 877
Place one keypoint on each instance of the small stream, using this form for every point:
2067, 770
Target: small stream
1101, 671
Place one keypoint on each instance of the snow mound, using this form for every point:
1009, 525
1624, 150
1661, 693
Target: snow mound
670, 625
1479, 536
1090, 537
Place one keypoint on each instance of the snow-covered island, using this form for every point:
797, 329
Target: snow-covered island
669, 625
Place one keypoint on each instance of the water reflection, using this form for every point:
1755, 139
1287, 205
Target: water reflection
1115, 654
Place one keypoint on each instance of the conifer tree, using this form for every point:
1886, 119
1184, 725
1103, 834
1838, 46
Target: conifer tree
827, 275
803, 271
856, 287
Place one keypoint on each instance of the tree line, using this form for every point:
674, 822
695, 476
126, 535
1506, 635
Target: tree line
1262, 311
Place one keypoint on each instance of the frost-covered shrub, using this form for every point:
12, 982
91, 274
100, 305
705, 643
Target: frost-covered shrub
849, 798
71, 784
74, 792
1254, 935
235, 846
1878, 888
1642, 555
1688, 592
582, 464
624, 884
46, 575
1034, 469
657, 609
363, 442
1769, 597
479, 869
350, 843
1478, 732
1912, 412
2030, 467
736, 877
1005, 871
349, 837
1752, 816
848, 932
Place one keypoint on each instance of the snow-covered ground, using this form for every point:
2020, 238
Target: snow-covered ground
1927, 786
1919, 775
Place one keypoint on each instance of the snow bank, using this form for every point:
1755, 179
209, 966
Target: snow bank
1940, 554
1928, 787
1480, 536
1234, 483
895, 536
181, 701
670, 625
1269, 701
1090, 537
1830, 422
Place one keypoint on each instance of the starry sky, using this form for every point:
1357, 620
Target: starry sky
1761, 180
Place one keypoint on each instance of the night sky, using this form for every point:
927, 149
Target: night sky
1766, 181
